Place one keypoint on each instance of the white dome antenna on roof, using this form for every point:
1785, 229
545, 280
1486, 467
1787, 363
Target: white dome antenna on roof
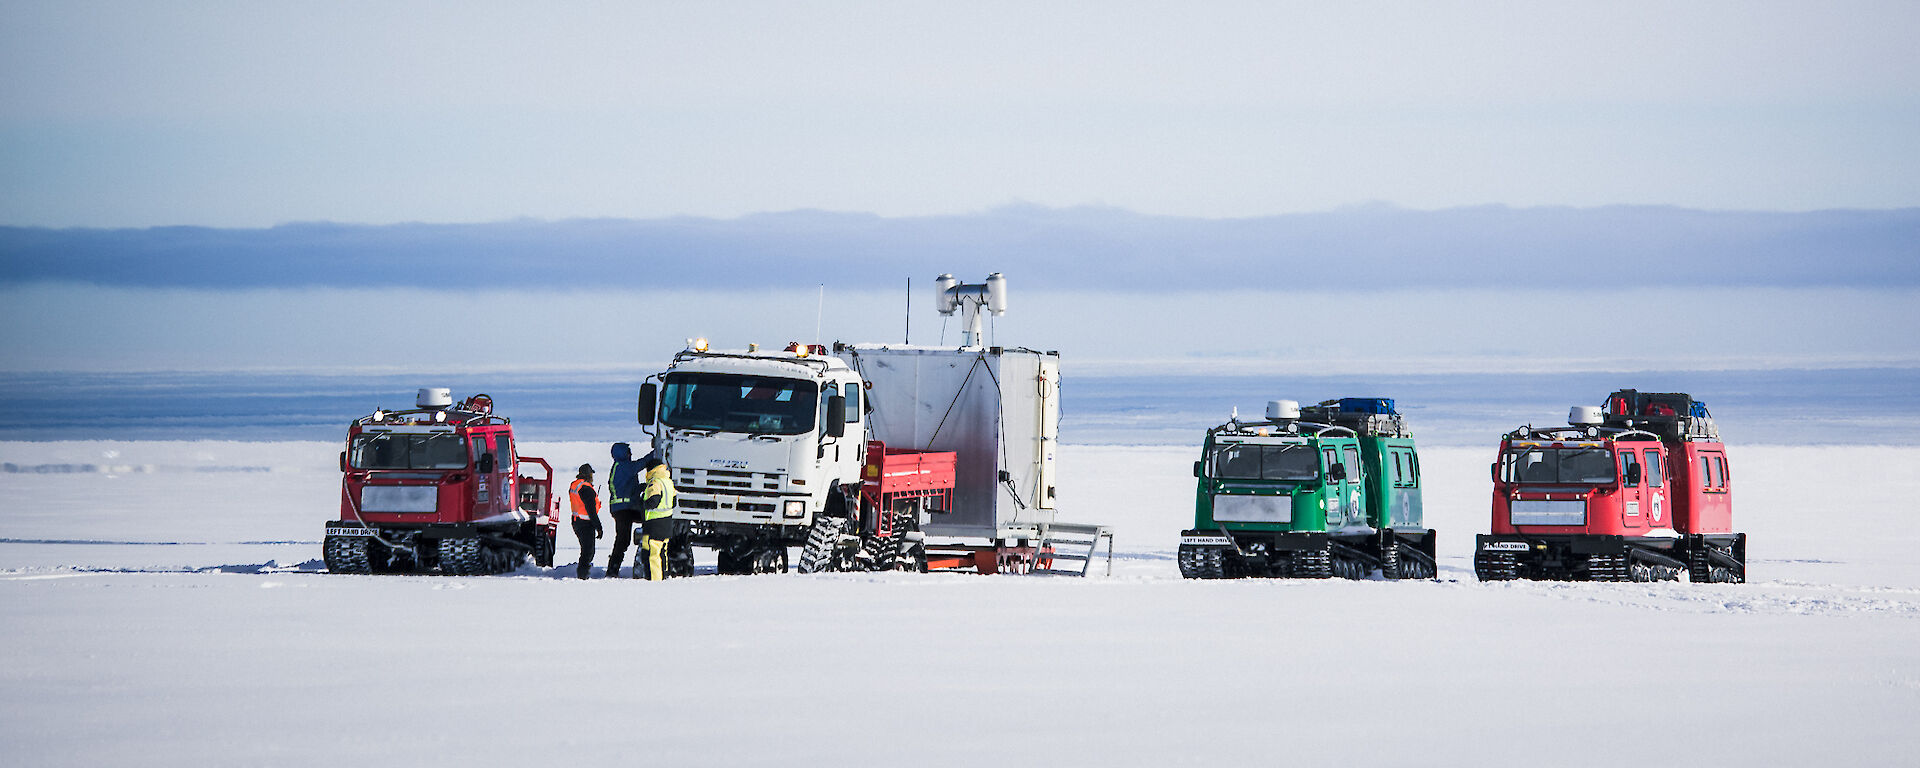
953, 295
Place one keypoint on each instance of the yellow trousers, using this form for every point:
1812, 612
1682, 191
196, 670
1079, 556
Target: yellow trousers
656, 550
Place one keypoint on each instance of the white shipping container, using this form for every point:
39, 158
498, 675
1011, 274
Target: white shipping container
998, 409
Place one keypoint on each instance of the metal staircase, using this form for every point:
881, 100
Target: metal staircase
1065, 545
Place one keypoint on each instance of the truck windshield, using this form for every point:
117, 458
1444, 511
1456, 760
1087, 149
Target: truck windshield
1558, 465
387, 450
737, 403
1245, 461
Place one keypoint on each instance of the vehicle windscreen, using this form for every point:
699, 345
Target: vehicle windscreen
1558, 465
1245, 461
737, 403
387, 450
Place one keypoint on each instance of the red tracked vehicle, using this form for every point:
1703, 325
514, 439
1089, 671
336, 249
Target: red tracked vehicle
438, 488
1635, 490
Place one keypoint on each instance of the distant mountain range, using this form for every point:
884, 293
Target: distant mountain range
1045, 248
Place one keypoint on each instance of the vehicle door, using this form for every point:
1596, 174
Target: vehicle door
1653, 467
479, 487
1356, 485
1633, 484
506, 494
1333, 493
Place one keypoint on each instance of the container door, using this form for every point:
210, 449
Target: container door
1632, 494
1048, 382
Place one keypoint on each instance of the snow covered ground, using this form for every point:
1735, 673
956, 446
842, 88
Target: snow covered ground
165, 606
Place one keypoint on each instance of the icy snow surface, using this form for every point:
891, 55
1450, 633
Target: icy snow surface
163, 605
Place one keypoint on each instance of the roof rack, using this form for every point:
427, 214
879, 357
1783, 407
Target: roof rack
1674, 416
1373, 416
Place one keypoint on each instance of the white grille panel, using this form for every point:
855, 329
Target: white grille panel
1253, 509
399, 498
1540, 512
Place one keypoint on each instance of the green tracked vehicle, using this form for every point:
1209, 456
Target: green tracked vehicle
1328, 490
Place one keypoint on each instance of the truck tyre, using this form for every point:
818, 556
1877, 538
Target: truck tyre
823, 539
679, 556
770, 560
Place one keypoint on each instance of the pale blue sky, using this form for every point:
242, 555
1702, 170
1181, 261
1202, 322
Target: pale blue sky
256, 113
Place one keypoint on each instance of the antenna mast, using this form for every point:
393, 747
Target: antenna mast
969, 300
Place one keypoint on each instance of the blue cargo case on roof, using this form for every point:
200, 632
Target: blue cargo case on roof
1375, 405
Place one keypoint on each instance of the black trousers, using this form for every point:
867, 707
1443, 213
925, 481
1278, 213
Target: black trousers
583, 530
623, 522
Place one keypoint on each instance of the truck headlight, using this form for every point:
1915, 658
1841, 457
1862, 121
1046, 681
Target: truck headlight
794, 508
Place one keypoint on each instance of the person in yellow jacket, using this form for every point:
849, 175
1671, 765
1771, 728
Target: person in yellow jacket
657, 499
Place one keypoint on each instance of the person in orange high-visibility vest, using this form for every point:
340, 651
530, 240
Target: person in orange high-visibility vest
586, 516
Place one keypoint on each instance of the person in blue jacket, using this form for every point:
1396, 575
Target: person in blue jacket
623, 504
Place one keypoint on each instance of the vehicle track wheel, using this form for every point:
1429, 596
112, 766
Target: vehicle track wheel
1494, 566
823, 540
461, 557
1391, 566
914, 559
1312, 564
346, 554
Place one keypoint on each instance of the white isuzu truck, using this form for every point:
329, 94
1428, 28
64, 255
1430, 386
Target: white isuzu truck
870, 456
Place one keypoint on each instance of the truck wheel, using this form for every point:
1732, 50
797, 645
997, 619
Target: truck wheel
770, 560
679, 557
823, 539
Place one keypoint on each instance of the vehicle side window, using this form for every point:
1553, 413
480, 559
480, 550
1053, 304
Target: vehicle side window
1332, 456
1355, 470
827, 391
1413, 461
1722, 461
1653, 469
1399, 468
503, 452
1628, 460
853, 404
1706, 472
479, 447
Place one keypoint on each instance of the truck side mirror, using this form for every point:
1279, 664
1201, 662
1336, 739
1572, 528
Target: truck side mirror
1633, 474
837, 415
649, 400
343, 461
486, 463
1337, 472
1494, 470
1196, 468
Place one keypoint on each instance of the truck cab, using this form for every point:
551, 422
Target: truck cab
758, 444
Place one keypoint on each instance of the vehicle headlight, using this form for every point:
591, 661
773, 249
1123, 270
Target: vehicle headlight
795, 508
